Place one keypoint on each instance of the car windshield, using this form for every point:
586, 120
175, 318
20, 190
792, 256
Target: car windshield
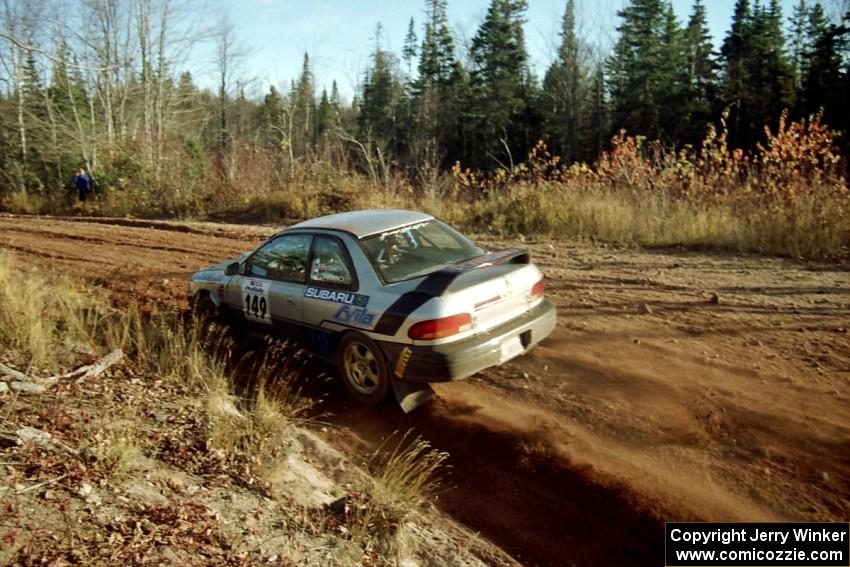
418, 249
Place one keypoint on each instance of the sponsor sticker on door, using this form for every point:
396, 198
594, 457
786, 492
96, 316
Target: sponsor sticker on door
337, 296
255, 301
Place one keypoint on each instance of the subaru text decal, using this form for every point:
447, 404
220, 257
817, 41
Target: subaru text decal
337, 296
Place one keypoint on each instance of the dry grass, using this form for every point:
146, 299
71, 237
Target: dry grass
804, 229
181, 351
588, 206
118, 444
259, 425
45, 321
178, 410
255, 428
404, 474
50, 322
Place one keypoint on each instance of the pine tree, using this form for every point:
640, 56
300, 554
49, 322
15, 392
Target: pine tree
188, 105
430, 117
799, 25
33, 90
324, 114
185, 92
840, 112
759, 81
34, 112
500, 84
565, 90
345, 117
377, 116
822, 72
409, 52
599, 111
636, 69
335, 101
702, 89
735, 51
304, 110
458, 131
57, 87
436, 56
31, 84
271, 117
673, 78
781, 68
770, 73
64, 91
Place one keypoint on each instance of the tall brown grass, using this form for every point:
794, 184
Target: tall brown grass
404, 473
45, 321
786, 198
51, 322
245, 412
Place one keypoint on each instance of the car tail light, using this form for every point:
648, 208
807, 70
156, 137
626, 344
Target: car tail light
440, 328
537, 290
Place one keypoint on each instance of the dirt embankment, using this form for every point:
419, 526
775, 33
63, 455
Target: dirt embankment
653, 400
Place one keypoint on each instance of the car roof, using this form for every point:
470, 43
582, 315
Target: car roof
365, 223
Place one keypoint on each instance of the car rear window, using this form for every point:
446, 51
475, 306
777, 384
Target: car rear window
418, 249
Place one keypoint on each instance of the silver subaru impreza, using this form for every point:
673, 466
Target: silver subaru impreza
397, 299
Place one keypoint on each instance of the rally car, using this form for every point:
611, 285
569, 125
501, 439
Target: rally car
397, 299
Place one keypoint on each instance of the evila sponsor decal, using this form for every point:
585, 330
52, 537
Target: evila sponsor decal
336, 296
357, 316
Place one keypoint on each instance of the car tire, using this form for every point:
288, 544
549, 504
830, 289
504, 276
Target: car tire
363, 368
205, 309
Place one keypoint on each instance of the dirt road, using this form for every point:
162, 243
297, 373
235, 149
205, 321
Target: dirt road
650, 402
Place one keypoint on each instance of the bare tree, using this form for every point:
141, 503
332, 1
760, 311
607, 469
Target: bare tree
143, 35
12, 29
161, 73
229, 51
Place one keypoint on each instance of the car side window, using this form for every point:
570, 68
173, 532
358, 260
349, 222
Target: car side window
283, 258
330, 263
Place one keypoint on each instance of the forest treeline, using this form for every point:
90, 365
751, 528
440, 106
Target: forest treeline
113, 86
660, 120
663, 80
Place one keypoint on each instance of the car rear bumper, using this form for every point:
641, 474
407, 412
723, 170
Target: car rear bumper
458, 360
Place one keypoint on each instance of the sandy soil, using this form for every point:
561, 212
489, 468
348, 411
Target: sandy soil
652, 401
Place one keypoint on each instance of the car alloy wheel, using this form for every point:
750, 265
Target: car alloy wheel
363, 368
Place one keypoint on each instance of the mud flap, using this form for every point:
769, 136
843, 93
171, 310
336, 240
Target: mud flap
411, 396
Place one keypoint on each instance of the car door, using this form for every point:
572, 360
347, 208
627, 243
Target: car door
269, 289
331, 298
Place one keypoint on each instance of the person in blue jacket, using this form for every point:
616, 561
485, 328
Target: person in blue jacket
83, 184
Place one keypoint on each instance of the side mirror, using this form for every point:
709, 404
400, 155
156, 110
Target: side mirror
232, 269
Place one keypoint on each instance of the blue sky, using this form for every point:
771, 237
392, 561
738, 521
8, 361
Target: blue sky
339, 34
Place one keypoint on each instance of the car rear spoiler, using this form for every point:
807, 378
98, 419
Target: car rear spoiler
436, 284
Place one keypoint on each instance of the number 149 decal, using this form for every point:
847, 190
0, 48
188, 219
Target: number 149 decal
255, 301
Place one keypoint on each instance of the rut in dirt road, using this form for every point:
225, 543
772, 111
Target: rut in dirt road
512, 487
